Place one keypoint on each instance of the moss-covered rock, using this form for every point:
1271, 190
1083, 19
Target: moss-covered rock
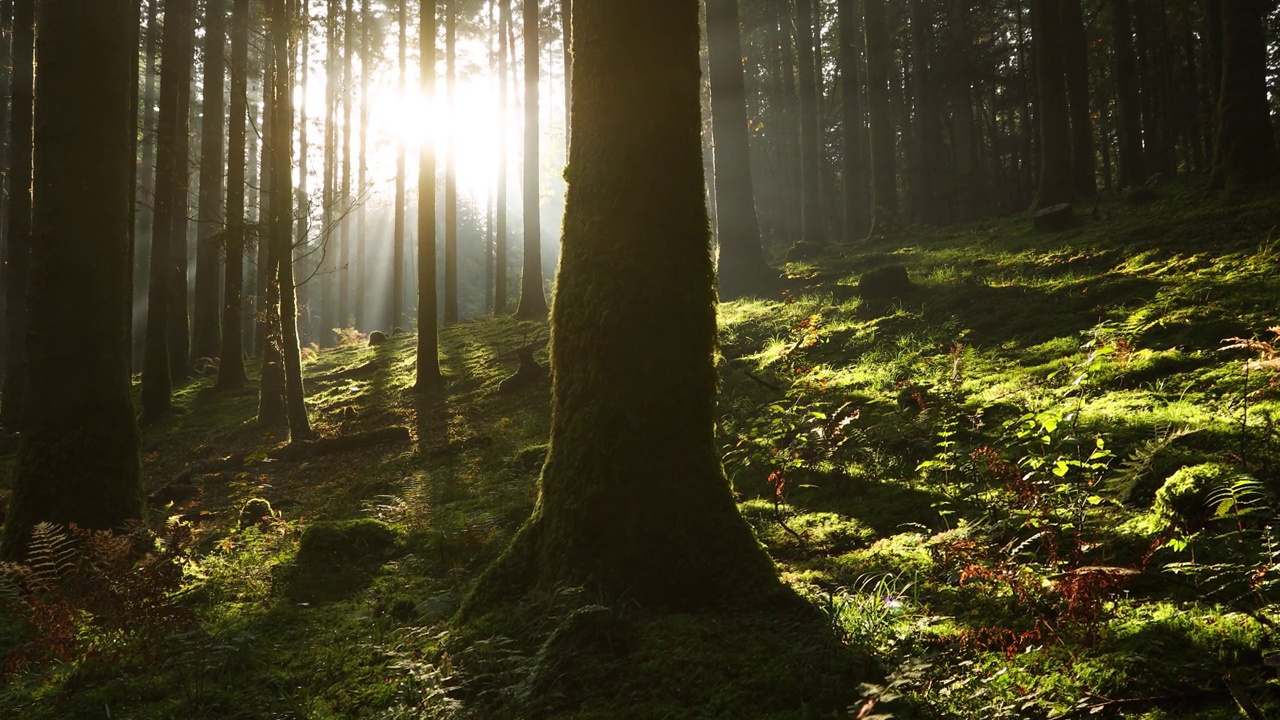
337, 558
1183, 501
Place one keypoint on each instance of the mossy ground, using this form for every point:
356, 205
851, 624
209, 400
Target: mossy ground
899, 459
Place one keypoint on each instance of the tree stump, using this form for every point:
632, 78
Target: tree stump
1054, 218
529, 372
885, 283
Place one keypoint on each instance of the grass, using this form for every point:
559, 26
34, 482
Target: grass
937, 473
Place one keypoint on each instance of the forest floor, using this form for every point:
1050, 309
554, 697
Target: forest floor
1039, 481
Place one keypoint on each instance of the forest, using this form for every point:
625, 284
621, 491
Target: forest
764, 359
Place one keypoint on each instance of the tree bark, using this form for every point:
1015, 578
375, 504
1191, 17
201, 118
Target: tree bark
79, 459
397, 254
282, 220
1128, 102
1057, 183
344, 206
500, 243
362, 183
428, 374
632, 498
146, 187
741, 269
533, 303
18, 235
205, 327
857, 210
1245, 150
884, 172
811, 151
451, 168
231, 372
1084, 163
169, 229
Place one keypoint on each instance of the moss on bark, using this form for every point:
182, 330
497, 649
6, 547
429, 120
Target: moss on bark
79, 461
632, 497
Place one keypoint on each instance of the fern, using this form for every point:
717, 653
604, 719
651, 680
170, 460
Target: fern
1140, 462
52, 555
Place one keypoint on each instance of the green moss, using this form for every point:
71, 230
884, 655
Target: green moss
1183, 501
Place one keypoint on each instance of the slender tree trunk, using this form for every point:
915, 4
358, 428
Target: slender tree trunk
741, 269
18, 234
282, 221
566, 33
500, 251
533, 302
231, 373
969, 197
884, 170
180, 235
362, 183
1057, 183
330, 320
451, 169
928, 141
366, 58
145, 217
1084, 161
344, 243
265, 268
169, 229
428, 360
857, 211
302, 200
205, 328
79, 459
811, 223
1245, 151
397, 261
1128, 101
632, 478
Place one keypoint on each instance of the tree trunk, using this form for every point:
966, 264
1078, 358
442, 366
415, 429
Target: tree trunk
231, 374
282, 221
205, 327
362, 184
177, 288
344, 205
1128, 102
451, 168
741, 268
857, 212
884, 172
428, 360
968, 193
330, 321
79, 459
169, 229
811, 151
632, 497
302, 199
1057, 182
500, 249
1245, 150
18, 235
397, 254
1084, 161
533, 303
265, 265
145, 215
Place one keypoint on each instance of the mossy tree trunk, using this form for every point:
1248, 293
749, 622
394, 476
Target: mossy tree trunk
1245, 150
169, 229
632, 497
345, 317
428, 362
18, 238
79, 457
533, 303
231, 374
205, 320
741, 268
